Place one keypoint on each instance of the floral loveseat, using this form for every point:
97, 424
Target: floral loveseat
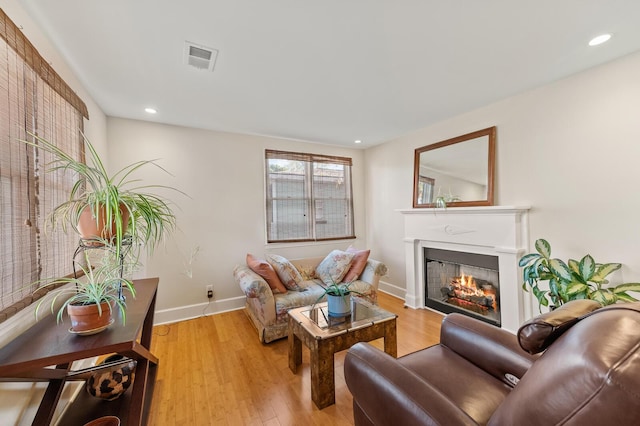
267, 307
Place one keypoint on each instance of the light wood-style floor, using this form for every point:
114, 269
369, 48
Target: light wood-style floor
214, 371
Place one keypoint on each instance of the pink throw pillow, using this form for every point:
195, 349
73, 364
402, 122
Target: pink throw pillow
266, 271
357, 264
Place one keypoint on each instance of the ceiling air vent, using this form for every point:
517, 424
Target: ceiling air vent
201, 57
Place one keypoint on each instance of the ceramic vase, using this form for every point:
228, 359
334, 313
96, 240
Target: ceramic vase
114, 379
339, 306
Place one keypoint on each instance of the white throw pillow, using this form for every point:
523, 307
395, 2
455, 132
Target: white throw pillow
334, 267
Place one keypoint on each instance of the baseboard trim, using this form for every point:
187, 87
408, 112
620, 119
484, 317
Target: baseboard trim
183, 313
391, 289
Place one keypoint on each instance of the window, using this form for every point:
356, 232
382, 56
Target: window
425, 189
33, 98
308, 197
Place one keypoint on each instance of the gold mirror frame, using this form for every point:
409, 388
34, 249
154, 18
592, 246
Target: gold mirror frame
423, 183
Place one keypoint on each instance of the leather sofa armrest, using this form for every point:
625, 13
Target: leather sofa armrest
389, 393
493, 349
251, 284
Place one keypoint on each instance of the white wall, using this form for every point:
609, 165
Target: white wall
569, 149
223, 173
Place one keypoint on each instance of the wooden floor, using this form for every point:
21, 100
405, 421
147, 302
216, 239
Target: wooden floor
214, 371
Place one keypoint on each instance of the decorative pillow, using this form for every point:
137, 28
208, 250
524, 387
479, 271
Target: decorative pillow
264, 269
334, 267
287, 273
357, 264
540, 332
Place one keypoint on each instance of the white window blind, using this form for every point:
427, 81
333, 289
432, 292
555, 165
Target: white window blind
308, 197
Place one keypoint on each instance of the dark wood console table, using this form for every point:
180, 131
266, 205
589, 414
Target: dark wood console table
50, 344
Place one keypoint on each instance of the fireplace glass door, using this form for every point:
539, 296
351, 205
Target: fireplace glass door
467, 283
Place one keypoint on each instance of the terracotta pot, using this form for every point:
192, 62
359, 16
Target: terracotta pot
104, 421
86, 318
90, 229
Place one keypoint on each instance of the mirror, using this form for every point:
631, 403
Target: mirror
457, 172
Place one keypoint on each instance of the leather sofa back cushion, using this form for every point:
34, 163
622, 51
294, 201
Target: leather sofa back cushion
266, 271
538, 333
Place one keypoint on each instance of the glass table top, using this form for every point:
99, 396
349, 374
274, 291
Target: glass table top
316, 319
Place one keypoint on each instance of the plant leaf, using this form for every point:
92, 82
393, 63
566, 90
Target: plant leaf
627, 287
604, 296
553, 287
543, 247
587, 267
604, 270
527, 258
560, 269
574, 265
540, 295
575, 288
625, 297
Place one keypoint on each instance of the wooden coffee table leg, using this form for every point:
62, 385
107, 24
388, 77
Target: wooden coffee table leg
390, 338
323, 390
295, 351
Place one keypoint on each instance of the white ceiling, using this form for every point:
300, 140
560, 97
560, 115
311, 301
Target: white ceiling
328, 71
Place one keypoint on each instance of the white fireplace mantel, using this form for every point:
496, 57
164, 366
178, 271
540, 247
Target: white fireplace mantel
500, 231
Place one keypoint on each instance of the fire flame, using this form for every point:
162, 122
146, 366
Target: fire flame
466, 286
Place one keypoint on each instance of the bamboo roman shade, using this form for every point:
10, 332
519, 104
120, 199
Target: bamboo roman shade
33, 99
23, 47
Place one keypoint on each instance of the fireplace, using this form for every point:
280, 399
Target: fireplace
467, 283
493, 233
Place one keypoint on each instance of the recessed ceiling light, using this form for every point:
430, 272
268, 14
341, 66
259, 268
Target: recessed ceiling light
358, 141
150, 110
599, 39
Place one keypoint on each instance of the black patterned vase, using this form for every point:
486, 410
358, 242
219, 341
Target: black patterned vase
114, 379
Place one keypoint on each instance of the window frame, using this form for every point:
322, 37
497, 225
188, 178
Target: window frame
313, 202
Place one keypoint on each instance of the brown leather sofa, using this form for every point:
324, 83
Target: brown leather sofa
588, 373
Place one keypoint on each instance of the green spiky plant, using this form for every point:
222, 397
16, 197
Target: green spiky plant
150, 216
337, 289
94, 285
584, 279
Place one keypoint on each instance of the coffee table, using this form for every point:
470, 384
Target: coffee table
325, 335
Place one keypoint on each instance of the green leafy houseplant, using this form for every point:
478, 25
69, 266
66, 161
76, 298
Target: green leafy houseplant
117, 204
95, 285
341, 290
584, 279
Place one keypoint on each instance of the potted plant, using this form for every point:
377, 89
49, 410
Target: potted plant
338, 298
583, 279
105, 208
93, 297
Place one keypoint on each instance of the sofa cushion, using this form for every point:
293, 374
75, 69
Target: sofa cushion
538, 333
287, 273
295, 299
357, 264
334, 267
264, 269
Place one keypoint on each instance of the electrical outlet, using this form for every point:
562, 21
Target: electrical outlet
210, 292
